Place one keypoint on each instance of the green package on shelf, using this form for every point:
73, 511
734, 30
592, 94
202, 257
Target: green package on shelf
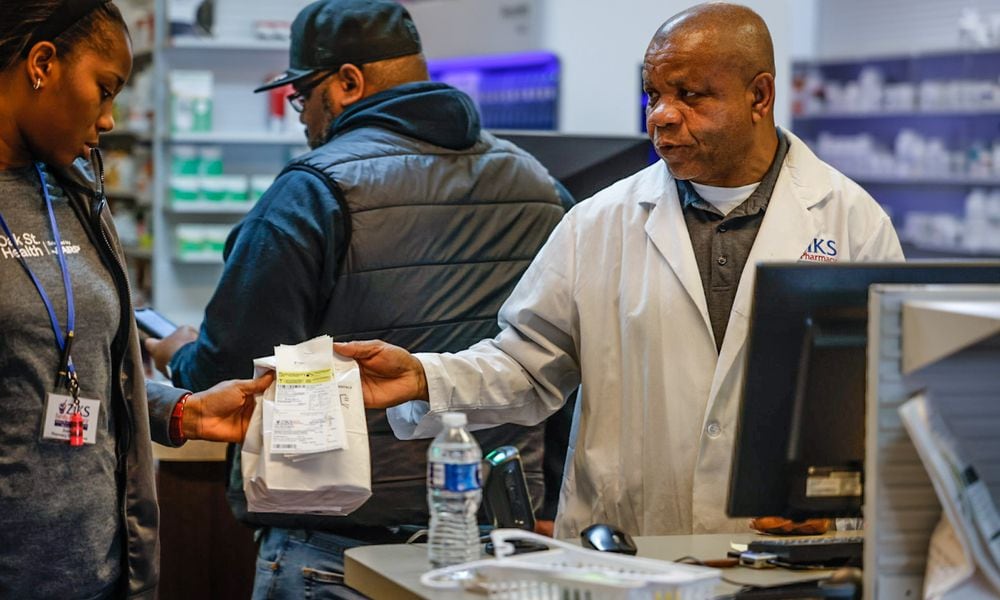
184, 189
236, 188
211, 160
189, 246
184, 160
203, 114
240, 196
213, 189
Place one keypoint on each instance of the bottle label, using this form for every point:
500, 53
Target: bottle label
454, 478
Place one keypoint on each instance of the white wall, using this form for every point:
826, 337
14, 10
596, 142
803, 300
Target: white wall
457, 27
859, 28
601, 45
805, 29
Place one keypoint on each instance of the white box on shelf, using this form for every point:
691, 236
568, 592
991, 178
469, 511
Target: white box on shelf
191, 100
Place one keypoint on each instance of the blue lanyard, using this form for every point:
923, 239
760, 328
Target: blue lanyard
66, 368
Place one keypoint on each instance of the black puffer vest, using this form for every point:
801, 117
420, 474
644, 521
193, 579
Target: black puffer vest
438, 239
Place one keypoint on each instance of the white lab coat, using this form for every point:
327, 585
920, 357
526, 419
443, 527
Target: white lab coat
614, 301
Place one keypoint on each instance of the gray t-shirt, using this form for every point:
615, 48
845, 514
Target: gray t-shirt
60, 522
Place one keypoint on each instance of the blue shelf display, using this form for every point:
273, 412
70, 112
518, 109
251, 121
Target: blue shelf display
643, 101
921, 133
512, 91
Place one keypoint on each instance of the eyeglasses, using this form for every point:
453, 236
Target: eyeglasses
299, 97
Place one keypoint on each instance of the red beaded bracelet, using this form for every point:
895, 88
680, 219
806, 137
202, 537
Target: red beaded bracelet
176, 431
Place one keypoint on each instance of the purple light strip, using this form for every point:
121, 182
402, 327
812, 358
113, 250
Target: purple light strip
497, 62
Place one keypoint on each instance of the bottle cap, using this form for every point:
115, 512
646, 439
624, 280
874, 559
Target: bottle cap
453, 419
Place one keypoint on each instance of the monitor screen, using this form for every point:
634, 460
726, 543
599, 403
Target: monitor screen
585, 164
799, 447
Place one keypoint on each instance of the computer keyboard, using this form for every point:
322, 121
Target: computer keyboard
820, 550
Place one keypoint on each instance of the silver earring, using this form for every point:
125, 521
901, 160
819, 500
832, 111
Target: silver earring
38, 83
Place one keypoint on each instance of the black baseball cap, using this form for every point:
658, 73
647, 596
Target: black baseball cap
331, 33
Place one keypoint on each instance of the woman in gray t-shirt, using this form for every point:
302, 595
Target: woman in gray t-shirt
77, 505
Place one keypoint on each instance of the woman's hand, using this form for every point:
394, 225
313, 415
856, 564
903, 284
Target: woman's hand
222, 413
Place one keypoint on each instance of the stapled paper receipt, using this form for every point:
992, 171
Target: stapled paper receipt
307, 415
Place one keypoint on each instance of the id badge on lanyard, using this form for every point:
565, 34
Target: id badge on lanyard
67, 417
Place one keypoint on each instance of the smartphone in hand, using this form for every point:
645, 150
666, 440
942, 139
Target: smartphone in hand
153, 323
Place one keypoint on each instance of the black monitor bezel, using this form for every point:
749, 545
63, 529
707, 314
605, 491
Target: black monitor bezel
789, 293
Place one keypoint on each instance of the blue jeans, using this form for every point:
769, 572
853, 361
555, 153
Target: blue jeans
294, 565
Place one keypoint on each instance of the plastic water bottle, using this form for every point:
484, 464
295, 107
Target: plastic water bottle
454, 489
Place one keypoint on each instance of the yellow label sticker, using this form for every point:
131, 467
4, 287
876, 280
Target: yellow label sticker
305, 377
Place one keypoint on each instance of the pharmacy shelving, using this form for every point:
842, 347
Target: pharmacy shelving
230, 44
209, 208
127, 153
293, 138
920, 132
244, 132
244, 142
924, 180
199, 259
907, 114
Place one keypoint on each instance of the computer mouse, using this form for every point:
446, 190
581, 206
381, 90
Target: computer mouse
606, 538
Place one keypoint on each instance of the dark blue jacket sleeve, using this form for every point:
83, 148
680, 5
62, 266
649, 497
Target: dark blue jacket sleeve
280, 269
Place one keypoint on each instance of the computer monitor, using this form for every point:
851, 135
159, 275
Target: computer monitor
585, 164
799, 447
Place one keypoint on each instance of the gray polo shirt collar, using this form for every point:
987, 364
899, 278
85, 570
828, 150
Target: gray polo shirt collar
757, 201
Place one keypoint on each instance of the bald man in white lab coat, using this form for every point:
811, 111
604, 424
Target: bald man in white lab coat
642, 293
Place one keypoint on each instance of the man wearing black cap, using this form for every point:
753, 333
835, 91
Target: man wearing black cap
405, 222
